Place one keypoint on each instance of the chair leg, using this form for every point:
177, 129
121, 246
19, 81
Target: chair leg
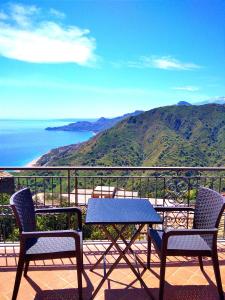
162, 276
149, 252
82, 260
26, 267
217, 275
18, 278
79, 276
201, 263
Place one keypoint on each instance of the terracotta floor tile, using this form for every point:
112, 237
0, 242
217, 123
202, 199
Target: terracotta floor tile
56, 279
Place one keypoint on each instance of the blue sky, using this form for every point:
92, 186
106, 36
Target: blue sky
86, 59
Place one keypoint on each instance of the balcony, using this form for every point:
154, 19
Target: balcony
56, 279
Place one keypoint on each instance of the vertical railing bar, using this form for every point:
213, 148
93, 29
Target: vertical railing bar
188, 204
156, 188
52, 191
132, 195
85, 190
44, 187
60, 190
124, 186
35, 190
93, 184
101, 185
148, 191
164, 190
68, 186
76, 188
164, 200
140, 186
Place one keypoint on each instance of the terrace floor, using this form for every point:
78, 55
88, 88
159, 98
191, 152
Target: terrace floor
56, 279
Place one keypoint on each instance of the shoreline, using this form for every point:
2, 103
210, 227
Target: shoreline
33, 163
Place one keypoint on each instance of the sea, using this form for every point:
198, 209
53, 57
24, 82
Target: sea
22, 141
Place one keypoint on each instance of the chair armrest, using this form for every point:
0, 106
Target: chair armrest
76, 210
173, 208
56, 233
172, 232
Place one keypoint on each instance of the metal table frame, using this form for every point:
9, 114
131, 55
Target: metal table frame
125, 222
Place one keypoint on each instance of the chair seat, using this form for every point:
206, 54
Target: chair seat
48, 245
181, 242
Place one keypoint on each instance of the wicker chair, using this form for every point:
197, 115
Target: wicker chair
40, 245
199, 241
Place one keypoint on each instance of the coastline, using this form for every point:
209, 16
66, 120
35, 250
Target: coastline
33, 163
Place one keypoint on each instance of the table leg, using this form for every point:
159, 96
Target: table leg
125, 242
122, 255
119, 232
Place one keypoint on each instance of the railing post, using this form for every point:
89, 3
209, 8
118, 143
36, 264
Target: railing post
76, 189
68, 185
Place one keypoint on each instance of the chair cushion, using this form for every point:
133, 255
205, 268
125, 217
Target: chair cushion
180, 242
47, 245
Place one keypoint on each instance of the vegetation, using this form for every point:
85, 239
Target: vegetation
166, 136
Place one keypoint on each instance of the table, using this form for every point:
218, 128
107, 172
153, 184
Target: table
108, 211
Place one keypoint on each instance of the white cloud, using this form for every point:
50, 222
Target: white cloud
25, 36
170, 63
187, 88
163, 62
57, 13
22, 14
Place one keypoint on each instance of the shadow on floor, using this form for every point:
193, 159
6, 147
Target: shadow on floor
171, 293
61, 294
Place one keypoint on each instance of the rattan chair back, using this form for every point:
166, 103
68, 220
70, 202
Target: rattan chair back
23, 207
208, 209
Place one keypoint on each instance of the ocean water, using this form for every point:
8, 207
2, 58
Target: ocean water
22, 141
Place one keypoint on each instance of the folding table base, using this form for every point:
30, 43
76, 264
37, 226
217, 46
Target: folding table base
122, 255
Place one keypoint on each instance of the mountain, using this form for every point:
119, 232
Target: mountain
97, 126
165, 136
183, 103
218, 100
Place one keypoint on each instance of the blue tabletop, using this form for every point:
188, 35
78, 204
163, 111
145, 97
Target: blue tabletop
121, 211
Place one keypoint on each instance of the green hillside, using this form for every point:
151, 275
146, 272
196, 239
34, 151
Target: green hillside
165, 136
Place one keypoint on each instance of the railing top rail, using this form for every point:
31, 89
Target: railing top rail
118, 168
117, 176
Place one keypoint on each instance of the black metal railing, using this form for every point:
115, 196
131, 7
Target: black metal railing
73, 186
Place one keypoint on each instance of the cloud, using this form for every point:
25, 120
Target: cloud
27, 34
57, 13
22, 14
170, 63
158, 62
187, 88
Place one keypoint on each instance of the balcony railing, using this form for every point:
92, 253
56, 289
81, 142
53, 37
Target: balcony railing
73, 186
